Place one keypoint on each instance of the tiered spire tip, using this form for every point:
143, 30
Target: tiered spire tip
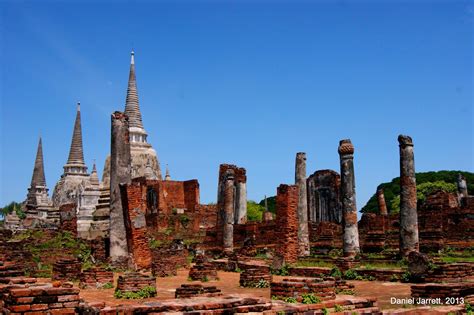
38, 178
132, 107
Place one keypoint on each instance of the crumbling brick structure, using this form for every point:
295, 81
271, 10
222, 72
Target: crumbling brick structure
41, 300
324, 203
203, 270
166, 260
134, 282
287, 223
67, 269
154, 205
68, 218
96, 277
442, 222
255, 277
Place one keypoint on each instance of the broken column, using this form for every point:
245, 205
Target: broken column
348, 197
240, 198
240, 202
300, 181
120, 174
381, 202
228, 228
287, 223
408, 212
462, 187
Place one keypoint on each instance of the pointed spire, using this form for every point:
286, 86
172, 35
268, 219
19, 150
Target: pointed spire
75, 163
167, 176
132, 108
38, 178
94, 178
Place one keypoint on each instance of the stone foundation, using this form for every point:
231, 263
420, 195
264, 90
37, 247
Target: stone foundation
442, 290
203, 270
41, 300
450, 272
296, 287
134, 282
255, 278
66, 269
197, 305
10, 270
191, 290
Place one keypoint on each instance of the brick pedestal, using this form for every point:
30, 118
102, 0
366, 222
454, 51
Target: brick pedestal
96, 278
66, 269
254, 277
134, 282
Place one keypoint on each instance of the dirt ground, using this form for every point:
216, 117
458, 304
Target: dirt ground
228, 283
383, 291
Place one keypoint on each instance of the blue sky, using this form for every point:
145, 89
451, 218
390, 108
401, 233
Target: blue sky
242, 82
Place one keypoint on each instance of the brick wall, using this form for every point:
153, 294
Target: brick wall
441, 223
134, 196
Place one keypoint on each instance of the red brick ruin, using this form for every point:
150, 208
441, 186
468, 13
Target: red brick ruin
149, 233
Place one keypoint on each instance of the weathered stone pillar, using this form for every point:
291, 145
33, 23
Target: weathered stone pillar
348, 196
228, 227
300, 181
120, 174
381, 202
462, 187
408, 213
241, 203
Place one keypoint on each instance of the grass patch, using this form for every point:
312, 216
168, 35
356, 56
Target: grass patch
312, 263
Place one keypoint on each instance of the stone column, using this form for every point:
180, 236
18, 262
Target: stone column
120, 174
381, 202
462, 187
300, 181
228, 226
241, 203
408, 213
348, 196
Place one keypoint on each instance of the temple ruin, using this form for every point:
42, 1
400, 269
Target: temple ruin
134, 233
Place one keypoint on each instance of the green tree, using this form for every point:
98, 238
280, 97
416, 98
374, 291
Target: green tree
13, 206
392, 189
254, 211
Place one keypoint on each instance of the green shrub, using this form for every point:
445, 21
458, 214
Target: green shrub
469, 309
290, 300
338, 308
184, 219
406, 276
310, 299
107, 285
336, 273
262, 284
144, 293
283, 271
351, 274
